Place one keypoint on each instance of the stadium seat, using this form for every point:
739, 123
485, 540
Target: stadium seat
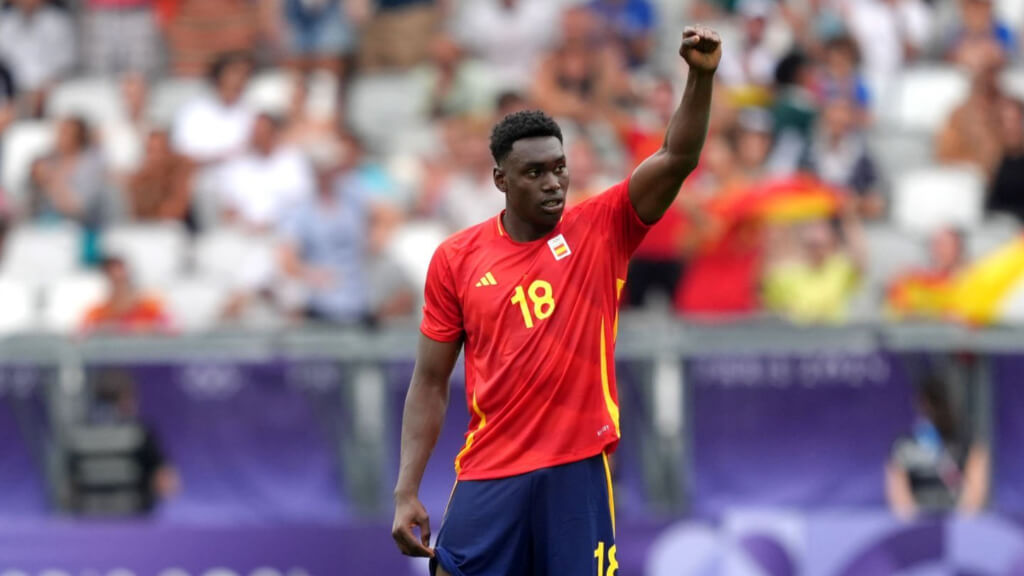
66, 301
897, 152
23, 143
167, 98
993, 234
413, 245
922, 98
122, 146
40, 254
891, 251
1012, 13
227, 256
98, 100
381, 109
155, 253
195, 304
270, 91
18, 308
1012, 81
929, 198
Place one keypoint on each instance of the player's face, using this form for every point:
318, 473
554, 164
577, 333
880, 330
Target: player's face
535, 180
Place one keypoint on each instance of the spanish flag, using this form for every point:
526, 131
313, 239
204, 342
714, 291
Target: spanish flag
982, 289
786, 200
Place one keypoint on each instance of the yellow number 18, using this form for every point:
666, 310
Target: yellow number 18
543, 298
613, 564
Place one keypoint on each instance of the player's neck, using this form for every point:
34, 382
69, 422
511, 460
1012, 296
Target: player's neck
521, 231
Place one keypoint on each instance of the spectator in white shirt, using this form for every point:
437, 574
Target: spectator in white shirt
257, 188
37, 41
215, 127
889, 34
510, 35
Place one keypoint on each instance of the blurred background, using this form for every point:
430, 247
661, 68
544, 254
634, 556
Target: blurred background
216, 218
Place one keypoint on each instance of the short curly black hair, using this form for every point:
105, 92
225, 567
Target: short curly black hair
519, 125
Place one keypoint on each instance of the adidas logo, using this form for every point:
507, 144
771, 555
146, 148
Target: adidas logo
487, 280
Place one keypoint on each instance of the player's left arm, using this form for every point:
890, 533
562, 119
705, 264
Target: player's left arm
656, 182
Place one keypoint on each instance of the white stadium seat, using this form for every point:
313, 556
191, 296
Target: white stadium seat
273, 90
412, 246
195, 304
382, 111
66, 301
1012, 81
1012, 13
891, 251
170, 95
122, 147
233, 258
992, 235
39, 254
23, 143
155, 253
921, 99
98, 100
929, 198
18, 307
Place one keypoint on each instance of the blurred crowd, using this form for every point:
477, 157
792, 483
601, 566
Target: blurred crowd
336, 142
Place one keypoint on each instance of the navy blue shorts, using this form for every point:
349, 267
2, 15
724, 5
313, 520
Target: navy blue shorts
555, 521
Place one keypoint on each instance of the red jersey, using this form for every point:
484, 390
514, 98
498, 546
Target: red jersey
539, 321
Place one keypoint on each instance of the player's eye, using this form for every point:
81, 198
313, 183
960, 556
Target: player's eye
559, 170
533, 173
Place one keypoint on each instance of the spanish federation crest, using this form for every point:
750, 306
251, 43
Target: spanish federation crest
559, 247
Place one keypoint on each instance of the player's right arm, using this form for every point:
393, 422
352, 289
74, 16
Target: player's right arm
425, 407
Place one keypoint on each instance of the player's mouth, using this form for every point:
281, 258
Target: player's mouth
552, 205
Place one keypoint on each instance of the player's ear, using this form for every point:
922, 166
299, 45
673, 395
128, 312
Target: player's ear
499, 180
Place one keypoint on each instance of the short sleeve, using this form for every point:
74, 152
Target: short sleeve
442, 313
626, 227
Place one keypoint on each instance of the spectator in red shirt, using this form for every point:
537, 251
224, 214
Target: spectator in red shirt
125, 309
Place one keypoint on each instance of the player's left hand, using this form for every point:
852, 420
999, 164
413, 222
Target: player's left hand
701, 48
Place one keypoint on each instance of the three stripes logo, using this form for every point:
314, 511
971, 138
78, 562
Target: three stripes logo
487, 280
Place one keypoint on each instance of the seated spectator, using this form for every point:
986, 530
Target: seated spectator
37, 41
749, 69
937, 467
926, 293
161, 188
840, 77
467, 192
978, 31
584, 79
313, 132
453, 84
213, 128
631, 23
399, 32
71, 184
121, 36
840, 157
257, 188
511, 36
815, 283
125, 309
1007, 191
7, 98
890, 34
972, 133
317, 33
794, 112
199, 32
323, 253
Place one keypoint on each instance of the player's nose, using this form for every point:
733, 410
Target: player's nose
550, 184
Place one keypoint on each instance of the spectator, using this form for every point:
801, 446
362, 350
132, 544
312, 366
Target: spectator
468, 195
511, 36
937, 467
794, 112
121, 36
748, 70
399, 32
978, 32
631, 23
589, 178
313, 132
926, 293
317, 33
584, 79
840, 77
37, 42
200, 32
323, 252
125, 309
972, 133
71, 184
212, 128
257, 188
840, 157
161, 189
7, 95
816, 282
454, 84
890, 33
1007, 193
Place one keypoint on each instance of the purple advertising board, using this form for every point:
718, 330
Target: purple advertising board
1008, 437
23, 432
806, 431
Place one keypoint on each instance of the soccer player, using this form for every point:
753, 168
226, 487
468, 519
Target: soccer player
532, 294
